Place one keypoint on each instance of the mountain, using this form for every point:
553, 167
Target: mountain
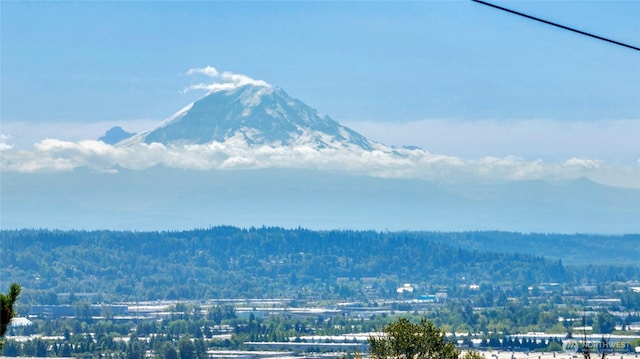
114, 135
250, 155
254, 115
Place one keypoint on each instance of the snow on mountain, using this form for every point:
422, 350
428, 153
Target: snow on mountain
254, 115
247, 124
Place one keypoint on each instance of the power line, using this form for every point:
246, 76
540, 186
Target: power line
557, 25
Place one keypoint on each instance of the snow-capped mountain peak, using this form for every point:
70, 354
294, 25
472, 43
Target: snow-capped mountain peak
258, 113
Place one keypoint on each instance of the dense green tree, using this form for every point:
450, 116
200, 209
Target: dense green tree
168, 351
186, 348
554, 346
604, 323
135, 349
200, 349
11, 348
7, 311
470, 354
35, 348
406, 340
65, 350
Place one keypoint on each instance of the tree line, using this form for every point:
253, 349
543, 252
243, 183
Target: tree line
229, 262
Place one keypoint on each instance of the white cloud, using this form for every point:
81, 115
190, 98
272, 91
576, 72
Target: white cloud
606, 151
56, 155
208, 70
614, 141
4, 145
222, 80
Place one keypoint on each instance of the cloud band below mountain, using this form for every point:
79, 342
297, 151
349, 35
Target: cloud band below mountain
53, 155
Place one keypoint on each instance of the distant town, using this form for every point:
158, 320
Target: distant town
268, 328
226, 292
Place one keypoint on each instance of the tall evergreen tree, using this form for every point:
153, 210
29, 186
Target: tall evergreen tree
7, 312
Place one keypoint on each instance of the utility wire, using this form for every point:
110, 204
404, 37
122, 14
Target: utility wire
557, 25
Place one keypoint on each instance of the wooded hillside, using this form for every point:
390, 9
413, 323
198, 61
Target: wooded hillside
229, 262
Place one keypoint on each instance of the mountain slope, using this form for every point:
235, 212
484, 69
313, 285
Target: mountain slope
255, 115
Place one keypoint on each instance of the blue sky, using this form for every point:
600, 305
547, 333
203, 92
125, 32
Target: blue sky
381, 61
456, 78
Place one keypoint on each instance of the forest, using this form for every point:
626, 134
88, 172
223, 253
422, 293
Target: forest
230, 262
